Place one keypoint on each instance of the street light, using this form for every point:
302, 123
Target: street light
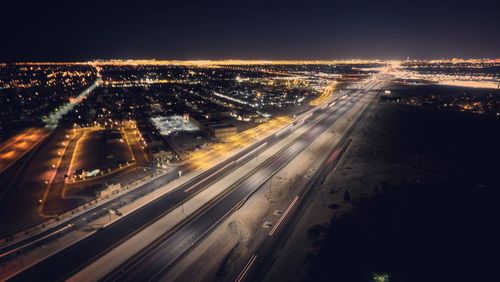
180, 174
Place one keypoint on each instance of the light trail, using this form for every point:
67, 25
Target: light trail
284, 215
246, 268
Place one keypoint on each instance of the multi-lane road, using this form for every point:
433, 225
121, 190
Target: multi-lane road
267, 252
82, 219
151, 263
168, 248
103, 240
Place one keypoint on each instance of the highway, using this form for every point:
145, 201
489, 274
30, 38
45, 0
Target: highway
73, 258
267, 252
150, 264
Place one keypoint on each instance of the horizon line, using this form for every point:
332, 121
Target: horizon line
243, 61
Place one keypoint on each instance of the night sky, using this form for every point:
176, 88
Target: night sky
82, 30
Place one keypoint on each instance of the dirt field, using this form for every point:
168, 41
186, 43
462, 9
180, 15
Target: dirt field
424, 186
100, 150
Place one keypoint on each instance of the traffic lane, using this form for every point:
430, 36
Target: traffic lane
176, 245
84, 218
90, 215
65, 262
152, 264
162, 256
167, 257
248, 187
165, 178
60, 266
58, 227
244, 152
148, 267
174, 252
263, 257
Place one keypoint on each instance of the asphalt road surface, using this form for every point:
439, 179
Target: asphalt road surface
73, 258
152, 262
267, 252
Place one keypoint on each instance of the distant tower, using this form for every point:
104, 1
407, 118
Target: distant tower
408, 59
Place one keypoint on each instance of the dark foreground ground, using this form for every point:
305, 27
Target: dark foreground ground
425, 204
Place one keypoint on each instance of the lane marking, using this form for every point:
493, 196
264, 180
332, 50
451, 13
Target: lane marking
192, 187
251, 152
